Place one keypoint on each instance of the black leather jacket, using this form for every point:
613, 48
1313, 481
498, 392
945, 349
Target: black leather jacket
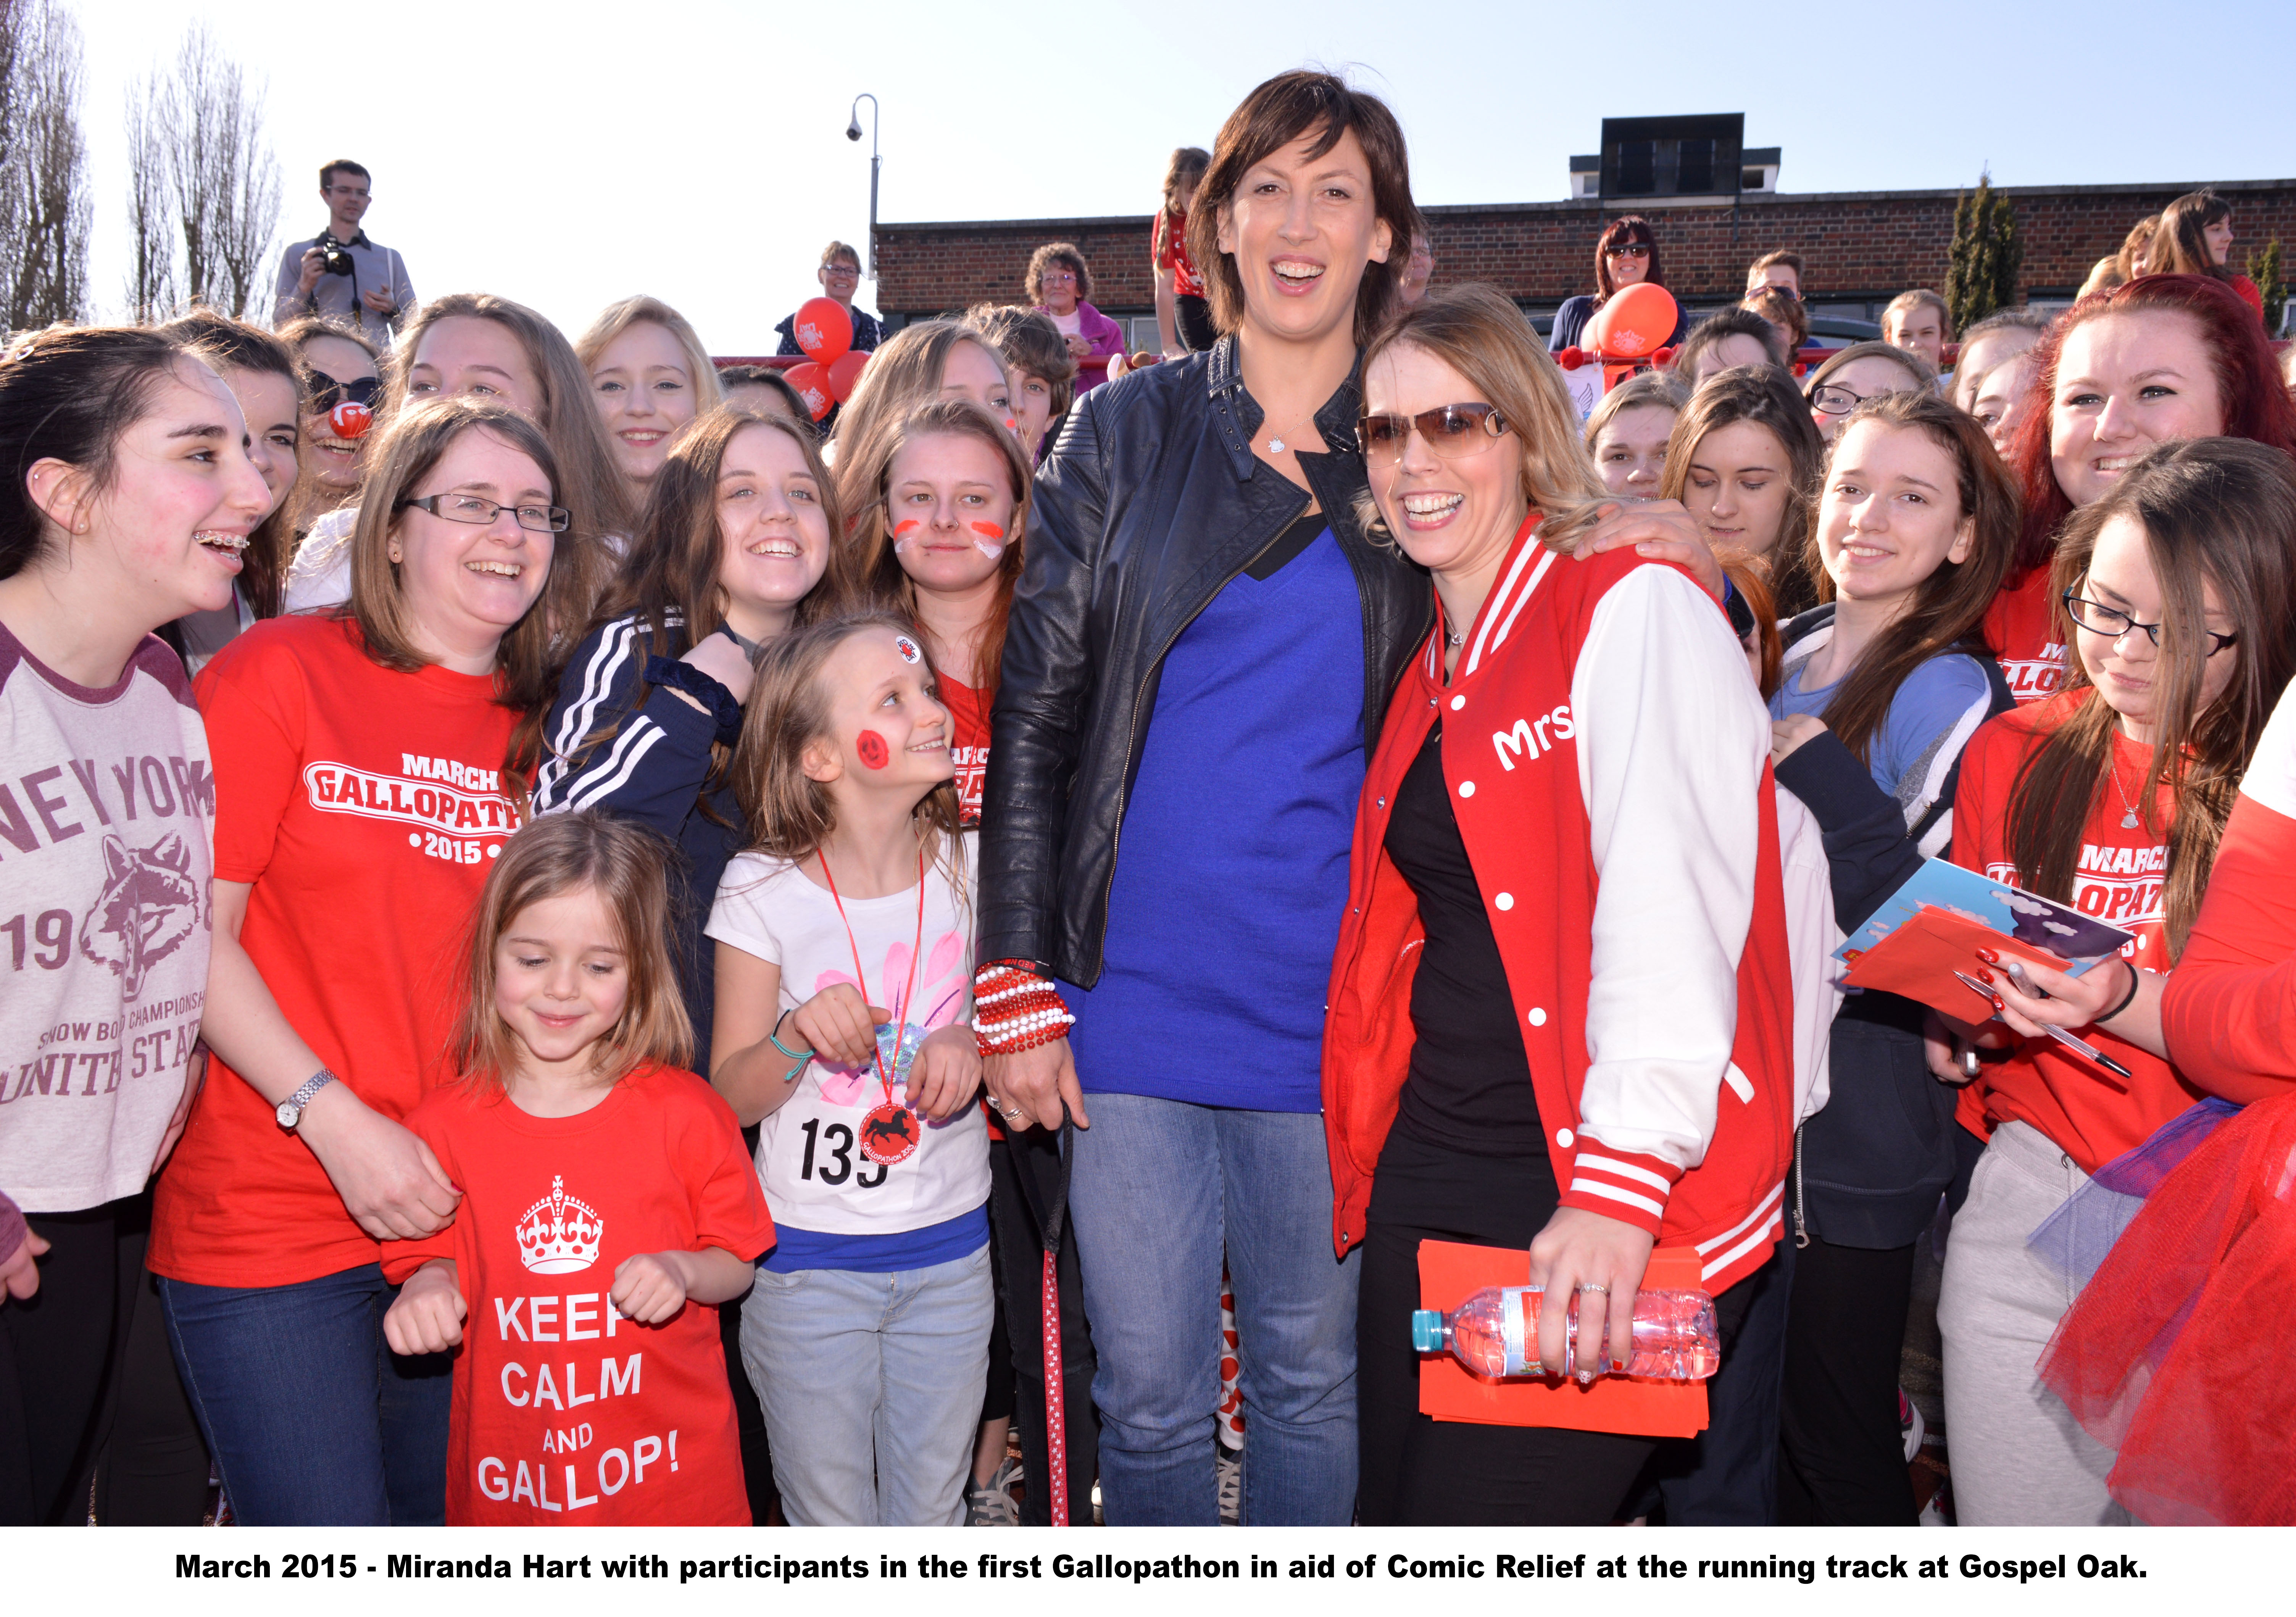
1149, 503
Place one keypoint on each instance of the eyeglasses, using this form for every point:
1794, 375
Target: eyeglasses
1631, 250
1453, 431
1835, 400
322, 393
842, 269
1062, 277
1779, 287
469, 508
2114, 623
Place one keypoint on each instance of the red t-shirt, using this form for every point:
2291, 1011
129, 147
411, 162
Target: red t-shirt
634, 1426
968, 713
2024, 626
2087, 1112
364, 806
1168, 246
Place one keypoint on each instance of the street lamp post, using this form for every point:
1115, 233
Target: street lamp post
853, 132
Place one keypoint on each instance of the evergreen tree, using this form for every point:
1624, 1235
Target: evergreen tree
2264, 269
1986, 254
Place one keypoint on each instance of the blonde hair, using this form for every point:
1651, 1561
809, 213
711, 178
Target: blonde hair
1479, 334
1645, 390
907, 372
408, 451
789, 813
628, 866
1921, 297
616, 318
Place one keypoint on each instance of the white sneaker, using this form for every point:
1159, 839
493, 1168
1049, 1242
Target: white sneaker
991, 1503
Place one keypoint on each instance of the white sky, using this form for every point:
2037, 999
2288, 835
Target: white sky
569, 155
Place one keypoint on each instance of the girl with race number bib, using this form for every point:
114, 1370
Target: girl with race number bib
583, 1149
844, 964
2178, 597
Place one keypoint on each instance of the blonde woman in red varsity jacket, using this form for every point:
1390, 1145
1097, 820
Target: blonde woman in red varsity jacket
1561, 1015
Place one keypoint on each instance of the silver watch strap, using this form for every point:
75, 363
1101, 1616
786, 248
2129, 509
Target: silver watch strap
311, 1086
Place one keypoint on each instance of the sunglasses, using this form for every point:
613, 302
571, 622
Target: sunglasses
1453, 431
322, 393
1632, 250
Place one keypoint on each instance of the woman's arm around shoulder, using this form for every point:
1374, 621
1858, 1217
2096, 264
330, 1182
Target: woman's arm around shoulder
601, 750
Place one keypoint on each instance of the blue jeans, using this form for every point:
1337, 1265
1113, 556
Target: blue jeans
871, 1388
1160, 1188
312, 1420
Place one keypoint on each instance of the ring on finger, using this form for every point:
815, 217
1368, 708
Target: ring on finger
1590, 1285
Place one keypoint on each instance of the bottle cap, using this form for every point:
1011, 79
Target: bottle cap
1427, 1330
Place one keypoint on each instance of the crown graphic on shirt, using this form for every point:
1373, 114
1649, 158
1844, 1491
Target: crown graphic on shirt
560, 1233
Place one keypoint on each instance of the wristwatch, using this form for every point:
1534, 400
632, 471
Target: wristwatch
290, 1109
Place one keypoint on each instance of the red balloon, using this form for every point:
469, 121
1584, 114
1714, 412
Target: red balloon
1633, 322
845, 375
824, 330
812, 384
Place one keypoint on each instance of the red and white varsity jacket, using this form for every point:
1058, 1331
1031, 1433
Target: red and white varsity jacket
1609, 762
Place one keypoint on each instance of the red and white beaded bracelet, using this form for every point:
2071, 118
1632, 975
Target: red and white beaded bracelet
1014, 1008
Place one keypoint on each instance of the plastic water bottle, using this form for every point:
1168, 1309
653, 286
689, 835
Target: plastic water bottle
1495, 1333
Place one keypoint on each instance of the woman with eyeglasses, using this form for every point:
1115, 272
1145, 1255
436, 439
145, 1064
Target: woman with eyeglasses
1059, 285
2161, 358
2179, 594
1851, 376
1562, 1007
1625, 255
370, 764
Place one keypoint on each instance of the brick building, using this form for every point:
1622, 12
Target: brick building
1863, 247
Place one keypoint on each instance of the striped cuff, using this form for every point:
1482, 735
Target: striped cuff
1620, 1185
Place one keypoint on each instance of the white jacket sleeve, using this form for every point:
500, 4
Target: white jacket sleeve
1672, 738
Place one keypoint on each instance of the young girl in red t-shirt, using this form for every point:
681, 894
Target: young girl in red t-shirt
2181, 610
583, 1151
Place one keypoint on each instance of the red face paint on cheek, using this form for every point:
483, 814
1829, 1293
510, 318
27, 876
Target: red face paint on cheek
910, 526
988, 530
871, 749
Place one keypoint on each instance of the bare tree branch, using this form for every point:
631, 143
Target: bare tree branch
45, 210
151, 209
222, 179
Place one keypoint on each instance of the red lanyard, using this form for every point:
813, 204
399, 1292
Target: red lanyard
901, 1011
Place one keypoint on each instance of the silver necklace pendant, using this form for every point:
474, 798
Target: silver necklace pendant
1275, 445
2128, 820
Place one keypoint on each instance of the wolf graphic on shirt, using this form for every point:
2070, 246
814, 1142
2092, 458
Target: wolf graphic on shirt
149, 906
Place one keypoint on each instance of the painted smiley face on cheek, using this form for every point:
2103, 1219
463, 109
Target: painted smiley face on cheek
870, 747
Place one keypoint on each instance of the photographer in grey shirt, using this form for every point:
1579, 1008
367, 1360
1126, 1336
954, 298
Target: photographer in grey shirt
339, 274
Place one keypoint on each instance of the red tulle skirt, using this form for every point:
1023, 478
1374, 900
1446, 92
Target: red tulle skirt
2181, 1352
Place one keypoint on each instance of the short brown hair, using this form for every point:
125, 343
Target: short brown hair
1278, 111
1786, 314
1050, 254
837, 251
1782, 255
342, 165
1739, 322
628, 865
1030, 342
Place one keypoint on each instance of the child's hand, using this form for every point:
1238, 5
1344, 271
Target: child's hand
945, 1073
839, 1024
427, 1317
650, 1287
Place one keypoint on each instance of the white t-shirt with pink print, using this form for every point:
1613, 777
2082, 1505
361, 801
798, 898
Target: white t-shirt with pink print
836, 1157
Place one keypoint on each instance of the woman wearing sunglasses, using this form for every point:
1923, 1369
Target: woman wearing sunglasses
1626, 256
335, 362
2112, 796
1561, 1011
369, 764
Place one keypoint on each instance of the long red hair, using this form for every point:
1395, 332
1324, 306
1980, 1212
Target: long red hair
2257, 405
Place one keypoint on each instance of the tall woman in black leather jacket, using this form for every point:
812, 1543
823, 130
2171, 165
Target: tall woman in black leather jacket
1200, 648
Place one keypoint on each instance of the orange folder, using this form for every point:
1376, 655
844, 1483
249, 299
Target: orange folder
1920, 955
1450, 1272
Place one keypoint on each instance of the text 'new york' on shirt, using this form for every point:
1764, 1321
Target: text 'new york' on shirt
364, 806
107, 809
564, 1410
835, 1204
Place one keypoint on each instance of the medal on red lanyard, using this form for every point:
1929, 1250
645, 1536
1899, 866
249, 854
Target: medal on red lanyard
891, 1133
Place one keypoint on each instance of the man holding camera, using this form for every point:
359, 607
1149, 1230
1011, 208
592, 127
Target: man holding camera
339, 273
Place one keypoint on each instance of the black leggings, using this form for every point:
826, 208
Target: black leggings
1843, 1457
60, 1355
1192, 322
154, 1469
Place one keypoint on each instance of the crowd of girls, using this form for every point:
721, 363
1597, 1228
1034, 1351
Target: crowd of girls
822, 956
